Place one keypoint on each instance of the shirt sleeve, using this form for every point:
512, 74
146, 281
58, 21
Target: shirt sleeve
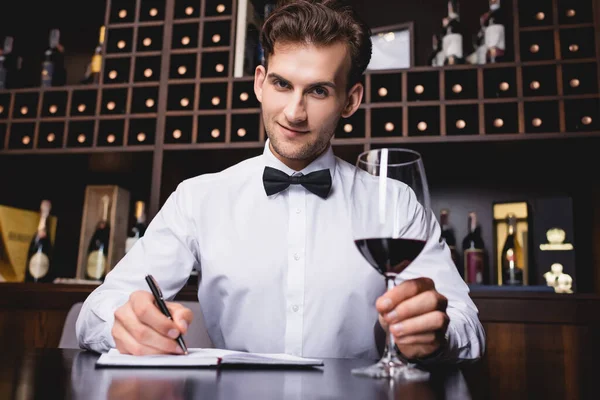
168, 250
465, 336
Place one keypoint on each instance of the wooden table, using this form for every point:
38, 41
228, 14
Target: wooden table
62, 374
542, 343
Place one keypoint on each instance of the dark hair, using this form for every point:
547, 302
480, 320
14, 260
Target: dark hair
321, 22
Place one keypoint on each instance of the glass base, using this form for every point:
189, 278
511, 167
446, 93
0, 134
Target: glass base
392, 368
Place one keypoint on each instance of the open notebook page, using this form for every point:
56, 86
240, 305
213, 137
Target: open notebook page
202, 357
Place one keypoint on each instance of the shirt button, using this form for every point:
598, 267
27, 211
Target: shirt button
296, 256
295, 308
298, 211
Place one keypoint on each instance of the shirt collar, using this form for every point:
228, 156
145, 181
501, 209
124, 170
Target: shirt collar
325, 161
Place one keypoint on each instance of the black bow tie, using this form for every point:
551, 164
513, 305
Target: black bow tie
318, 182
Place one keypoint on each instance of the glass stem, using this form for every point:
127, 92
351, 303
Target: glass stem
391, 343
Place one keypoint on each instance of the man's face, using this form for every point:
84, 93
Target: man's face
303, 94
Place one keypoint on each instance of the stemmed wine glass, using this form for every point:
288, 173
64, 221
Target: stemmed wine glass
391, 223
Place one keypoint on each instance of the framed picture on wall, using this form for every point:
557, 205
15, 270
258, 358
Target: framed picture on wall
393, 47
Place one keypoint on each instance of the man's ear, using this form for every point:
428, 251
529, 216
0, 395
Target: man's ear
260, 73
355, 96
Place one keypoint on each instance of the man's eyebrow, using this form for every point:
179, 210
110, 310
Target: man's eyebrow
273, 75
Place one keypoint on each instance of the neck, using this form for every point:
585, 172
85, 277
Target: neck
297, 165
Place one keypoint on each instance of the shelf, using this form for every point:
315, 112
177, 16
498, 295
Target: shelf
337, 141
553, 27
82, 150
112, 25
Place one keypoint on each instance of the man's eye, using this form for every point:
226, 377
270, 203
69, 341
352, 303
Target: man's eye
280, 84
320, 91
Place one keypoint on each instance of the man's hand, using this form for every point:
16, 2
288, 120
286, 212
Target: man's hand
416, 315
140, 327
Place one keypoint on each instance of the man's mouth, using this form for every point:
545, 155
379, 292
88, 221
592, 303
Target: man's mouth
293, 131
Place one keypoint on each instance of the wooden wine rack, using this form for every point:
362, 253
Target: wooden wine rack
172, 123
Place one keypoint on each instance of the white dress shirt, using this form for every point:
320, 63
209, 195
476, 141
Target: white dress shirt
279, 273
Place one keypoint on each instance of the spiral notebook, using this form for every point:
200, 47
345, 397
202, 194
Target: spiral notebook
199, 357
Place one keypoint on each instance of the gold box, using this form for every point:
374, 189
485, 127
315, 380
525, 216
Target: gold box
17, 228
118, 219
521, 211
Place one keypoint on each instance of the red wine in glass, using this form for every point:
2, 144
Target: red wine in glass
390, 256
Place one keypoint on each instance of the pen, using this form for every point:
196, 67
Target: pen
163, 307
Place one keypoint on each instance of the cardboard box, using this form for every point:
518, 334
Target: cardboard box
118, 218
17, 228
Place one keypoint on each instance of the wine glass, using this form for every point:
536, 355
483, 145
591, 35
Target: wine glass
391, 223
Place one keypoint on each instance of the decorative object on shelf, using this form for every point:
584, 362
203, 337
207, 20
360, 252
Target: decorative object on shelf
556, 278
103, 205
16, 226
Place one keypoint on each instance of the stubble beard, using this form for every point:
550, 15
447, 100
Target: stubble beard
308, 151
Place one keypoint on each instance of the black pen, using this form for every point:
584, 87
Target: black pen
163, 307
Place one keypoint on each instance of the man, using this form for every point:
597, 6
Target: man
279, 271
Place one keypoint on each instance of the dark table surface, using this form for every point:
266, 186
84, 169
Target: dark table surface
71, 374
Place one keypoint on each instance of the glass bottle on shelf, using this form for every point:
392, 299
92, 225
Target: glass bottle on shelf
436, 58
495, 38
473, 252
10, 65
39, 257
448, 235
139, 228
512, 255
92, 73
53, 67
453, 35
97, 254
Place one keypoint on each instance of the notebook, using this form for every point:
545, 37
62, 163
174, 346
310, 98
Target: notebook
200, 357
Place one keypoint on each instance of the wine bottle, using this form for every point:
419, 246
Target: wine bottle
453, 35
53, 67
480, 53
92, 74
448, 235
10, 65
495, 41
39, 258
268, 9
473, 252
436, 56
139, 228
512, 255
97, 259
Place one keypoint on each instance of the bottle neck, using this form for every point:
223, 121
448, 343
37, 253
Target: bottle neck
472, 224
42, 225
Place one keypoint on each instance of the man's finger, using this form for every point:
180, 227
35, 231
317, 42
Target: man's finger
422, 303
430, 322
403, 291
149, 314
182, 316
421, 338
147, 336
126, 343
